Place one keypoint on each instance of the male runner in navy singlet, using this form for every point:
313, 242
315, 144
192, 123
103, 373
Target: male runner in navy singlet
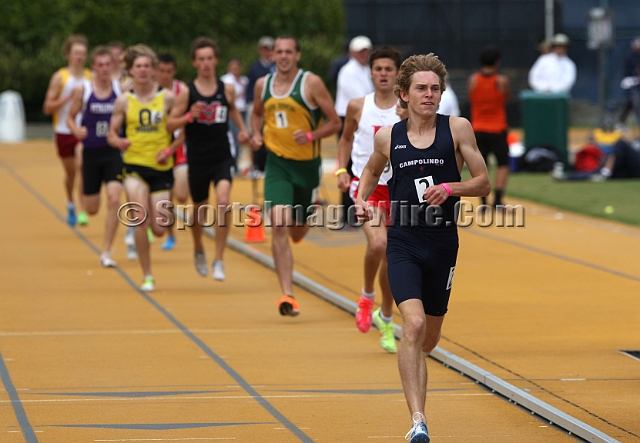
427, 152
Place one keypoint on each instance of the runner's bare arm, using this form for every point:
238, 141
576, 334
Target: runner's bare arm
372, 171
345, 144
76, 105
169, 103
318, 95
234, 114
177, 117
163, 156
117, 120
471, 83
53, 101
503, 85
177, 142
257, 117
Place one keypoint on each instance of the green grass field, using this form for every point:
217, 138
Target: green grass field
584, 197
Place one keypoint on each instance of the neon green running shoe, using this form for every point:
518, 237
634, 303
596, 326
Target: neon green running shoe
149, 284
150, 235
387, 339
83, 219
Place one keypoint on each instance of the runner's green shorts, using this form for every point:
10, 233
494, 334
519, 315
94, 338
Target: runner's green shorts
292, 182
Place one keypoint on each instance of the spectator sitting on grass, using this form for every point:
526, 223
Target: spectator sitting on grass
607, 136
592, 157
623, 162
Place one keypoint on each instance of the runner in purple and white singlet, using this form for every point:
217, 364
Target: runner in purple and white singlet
101, 162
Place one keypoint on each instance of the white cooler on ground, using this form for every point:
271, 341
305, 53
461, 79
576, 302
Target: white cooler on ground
12, 120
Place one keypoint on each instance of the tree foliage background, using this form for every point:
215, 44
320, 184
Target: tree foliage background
32, 33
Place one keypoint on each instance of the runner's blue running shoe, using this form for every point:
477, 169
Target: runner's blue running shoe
169, 244
418, 433
71, 216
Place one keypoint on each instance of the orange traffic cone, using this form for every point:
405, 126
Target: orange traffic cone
254, 229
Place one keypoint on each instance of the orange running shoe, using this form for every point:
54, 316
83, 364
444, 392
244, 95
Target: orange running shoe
287, 305
363, 314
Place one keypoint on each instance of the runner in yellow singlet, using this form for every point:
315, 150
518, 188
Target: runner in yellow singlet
147, 157
290, 104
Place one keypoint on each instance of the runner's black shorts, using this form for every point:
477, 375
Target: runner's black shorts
157, 181
497, 143
421, 266
100, 165
201, 175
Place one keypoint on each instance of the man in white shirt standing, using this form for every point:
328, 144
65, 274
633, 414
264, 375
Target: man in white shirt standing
240, 83
555, 71
449, 104
354, 79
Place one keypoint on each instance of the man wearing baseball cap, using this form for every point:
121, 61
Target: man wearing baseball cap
555, 71
354, 79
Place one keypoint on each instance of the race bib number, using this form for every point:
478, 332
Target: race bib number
421, 185
221, 114
148, 117
102, 128
281, 120
213, 112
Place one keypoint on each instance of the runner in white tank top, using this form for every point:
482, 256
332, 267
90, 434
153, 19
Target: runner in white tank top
365, 116
69, 83
371, 119
56, 103
165, 74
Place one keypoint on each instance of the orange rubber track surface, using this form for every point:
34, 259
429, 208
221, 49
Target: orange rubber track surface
87, 357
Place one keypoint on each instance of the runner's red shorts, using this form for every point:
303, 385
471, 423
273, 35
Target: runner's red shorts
379, 198
66, 144
181, 156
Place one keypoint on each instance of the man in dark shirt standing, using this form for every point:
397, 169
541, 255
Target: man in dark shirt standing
263, 66
631, 82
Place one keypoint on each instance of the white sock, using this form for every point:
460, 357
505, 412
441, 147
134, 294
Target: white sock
369, 295
71, 205
385, 318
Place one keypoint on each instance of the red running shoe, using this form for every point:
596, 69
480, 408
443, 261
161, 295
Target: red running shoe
363, 314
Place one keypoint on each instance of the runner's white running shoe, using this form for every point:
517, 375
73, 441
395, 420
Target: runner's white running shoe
130, 241
201, 264
106, 261
217, 269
